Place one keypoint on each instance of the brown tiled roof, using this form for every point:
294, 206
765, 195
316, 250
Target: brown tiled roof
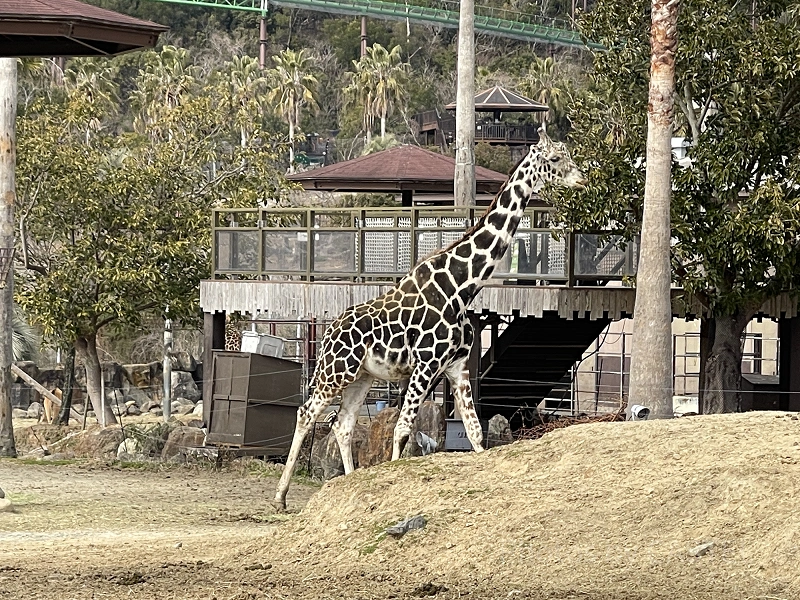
70, 28
396, 169
500, 99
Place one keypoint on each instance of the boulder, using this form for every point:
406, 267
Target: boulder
198, 409
180, 439
148, 377
498, 432
101, 442
133, 410
21, 395
133, 394
35, 410
129, 446
183, 386
326, 459
378, 446
116, 400
18, 413
430, 421
183, 361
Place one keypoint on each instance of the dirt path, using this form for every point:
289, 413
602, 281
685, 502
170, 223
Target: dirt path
83, 531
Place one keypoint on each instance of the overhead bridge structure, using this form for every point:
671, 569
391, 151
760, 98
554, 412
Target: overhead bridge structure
488, 19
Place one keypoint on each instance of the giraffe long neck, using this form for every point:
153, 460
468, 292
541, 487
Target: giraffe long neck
460, 271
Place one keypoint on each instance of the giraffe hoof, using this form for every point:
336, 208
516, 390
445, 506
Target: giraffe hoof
280, 506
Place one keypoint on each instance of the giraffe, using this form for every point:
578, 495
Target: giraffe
419, 330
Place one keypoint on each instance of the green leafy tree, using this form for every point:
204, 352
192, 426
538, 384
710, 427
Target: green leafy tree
735, 201
116, 228
293, 88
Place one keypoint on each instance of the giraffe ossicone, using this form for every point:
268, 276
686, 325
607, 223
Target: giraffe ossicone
419, 330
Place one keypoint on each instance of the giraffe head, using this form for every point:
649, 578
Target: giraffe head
550, 162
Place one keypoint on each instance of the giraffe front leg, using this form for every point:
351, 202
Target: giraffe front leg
458, 375
352, 399
419, 385
306, 417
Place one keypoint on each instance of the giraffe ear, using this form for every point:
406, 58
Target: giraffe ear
544, 139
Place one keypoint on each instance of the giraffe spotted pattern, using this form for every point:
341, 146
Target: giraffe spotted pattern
419, 330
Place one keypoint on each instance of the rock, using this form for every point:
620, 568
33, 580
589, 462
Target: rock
701, 549
129, 446
157, 411
22, 395
430, 421
35, 410
18, 413
183, 386
2, 493
134, 394
194, 423
79, 408
102, 442
400, 529
198, 409
5, 505
181, 438
54, 378
133, 410
326, 458
147, 377
498, 432
185, 409
113, 375
183, 361
378, 446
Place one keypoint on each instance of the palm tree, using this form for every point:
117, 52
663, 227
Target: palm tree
378, 84
243, 85
91, 82
293, 87
546, 84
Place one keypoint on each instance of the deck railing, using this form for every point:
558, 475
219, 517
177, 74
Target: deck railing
382, 244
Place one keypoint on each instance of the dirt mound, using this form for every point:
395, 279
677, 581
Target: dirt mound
608, 510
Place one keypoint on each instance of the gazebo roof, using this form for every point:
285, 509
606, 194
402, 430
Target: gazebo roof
500, 99
402, 168
70, 28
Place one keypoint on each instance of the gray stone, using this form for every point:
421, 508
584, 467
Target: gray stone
400, 529
378, 446
21, 395
148, 377
198, 409
5, 505
430, 421
2, 493
18, 413
129, 446
116, 400
133, 410
180, 439
35, 410
79, 408
157, 411
183, 386
326, 458
701, 549
185, 409
498, 432
150, 405
132, 393
183, 361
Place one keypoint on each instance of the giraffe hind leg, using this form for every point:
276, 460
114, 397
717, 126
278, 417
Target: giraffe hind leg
353, 397
306, 417
458, 376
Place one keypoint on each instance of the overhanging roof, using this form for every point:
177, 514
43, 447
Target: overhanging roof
500, 99
397, 169
70, 28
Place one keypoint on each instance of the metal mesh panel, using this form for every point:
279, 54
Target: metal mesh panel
597, 254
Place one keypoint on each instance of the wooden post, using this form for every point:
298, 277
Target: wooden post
464, 191
8, 159
789, 335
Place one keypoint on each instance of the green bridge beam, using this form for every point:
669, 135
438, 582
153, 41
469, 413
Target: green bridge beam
500, 22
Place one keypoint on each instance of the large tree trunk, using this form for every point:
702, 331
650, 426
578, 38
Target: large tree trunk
723, 368
465, 107
8, 115
86, 347
651, 355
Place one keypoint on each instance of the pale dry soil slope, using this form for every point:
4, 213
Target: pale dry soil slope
599, 512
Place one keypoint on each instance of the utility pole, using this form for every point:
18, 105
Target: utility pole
464, 181
363, 36
262, 36
651, 354
8, 158
166, 403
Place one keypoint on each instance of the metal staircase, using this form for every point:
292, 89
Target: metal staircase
529, 359
488, 19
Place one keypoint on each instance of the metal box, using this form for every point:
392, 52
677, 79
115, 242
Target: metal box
456, 436
261, 343
254, 401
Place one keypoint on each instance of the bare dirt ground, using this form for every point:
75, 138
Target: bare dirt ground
609, 511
